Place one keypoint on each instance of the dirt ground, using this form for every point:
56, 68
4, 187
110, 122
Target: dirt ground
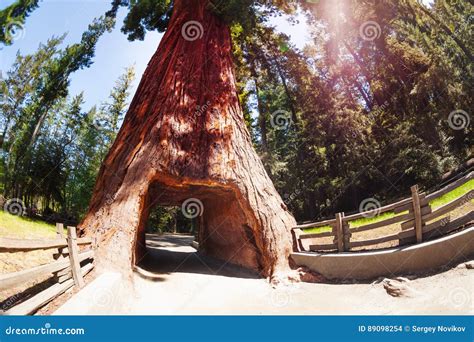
174, 280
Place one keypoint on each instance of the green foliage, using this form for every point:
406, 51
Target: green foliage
97, 134
27, 109
146, 15
51, 148
13, 18
370, 116
170, 220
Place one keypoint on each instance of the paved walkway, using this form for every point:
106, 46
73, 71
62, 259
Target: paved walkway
174, 279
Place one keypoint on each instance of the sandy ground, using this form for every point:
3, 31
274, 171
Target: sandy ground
174, 280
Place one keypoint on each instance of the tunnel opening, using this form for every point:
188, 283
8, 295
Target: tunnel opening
171, 220
209, 213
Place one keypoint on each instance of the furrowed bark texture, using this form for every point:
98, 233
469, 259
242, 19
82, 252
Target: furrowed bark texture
184, 137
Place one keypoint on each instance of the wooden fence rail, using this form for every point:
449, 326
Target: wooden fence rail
68, 270
414, 214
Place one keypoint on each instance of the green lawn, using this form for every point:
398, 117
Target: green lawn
456, 193
368, 220
322, 229
20, 227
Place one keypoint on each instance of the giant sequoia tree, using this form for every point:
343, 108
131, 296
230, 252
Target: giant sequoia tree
184, 140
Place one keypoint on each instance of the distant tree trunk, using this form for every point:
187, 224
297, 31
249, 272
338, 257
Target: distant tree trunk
294, 117
262, 124
174, 222
262, 119
183, 140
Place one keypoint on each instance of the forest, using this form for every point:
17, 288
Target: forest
379, 99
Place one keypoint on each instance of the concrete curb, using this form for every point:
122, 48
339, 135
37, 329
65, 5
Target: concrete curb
100, 297
195, 245
424, 257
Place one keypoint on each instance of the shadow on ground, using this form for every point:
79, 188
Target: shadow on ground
168, 254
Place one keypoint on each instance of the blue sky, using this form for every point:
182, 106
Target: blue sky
114, 52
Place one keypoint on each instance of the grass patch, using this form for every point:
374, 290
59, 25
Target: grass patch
452, 195
368, 220
21, 227
356, 223
322, 229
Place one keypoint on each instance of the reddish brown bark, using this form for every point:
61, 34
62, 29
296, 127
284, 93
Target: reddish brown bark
183, 137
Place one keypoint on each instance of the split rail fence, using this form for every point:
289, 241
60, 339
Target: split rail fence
419, 222
68, 269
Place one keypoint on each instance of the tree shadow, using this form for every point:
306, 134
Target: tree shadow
162, 258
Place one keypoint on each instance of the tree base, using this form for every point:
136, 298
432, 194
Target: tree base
221, 212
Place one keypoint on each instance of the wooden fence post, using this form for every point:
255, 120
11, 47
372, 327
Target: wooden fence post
297, 244
74, 256
60, 235
417, 212
347, 234
339, 233
60, 230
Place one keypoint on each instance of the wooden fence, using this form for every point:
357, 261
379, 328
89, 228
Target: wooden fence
66, 269
418, 222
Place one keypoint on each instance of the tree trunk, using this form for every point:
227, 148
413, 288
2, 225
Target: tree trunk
294, 117
184, 140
